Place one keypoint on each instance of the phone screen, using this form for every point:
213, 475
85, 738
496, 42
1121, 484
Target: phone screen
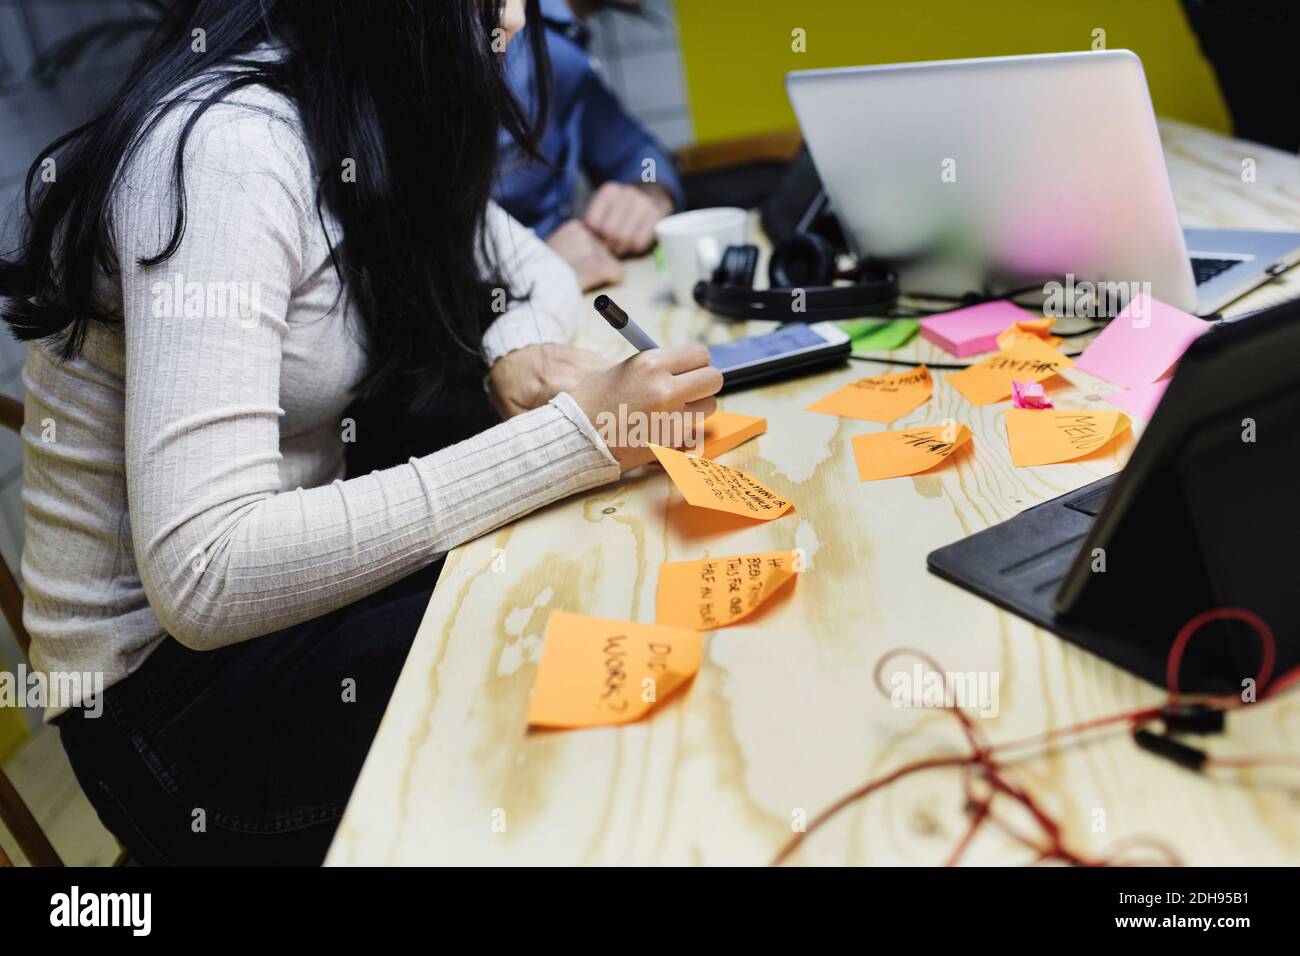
796, 337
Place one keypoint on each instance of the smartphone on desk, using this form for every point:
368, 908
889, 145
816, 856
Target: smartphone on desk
794, 349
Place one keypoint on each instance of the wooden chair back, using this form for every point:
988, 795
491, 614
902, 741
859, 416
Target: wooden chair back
14, 813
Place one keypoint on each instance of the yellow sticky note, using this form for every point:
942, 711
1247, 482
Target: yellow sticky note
881, 398
595, 672
1047, 436
723, 431
1028, 360
708, 484
1029, 329
908, 451
715, 592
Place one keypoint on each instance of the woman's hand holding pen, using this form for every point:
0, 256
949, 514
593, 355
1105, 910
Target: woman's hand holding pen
656, 393
675, 381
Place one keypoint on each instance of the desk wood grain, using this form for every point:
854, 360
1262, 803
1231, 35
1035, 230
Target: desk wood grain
783, 717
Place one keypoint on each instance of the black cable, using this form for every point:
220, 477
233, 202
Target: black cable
896, 311
967, 300
938, 365
1078, 332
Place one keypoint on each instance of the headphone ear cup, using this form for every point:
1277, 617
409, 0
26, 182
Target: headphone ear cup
737, 268
804, 260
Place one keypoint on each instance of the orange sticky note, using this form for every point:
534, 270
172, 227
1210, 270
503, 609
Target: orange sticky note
595, 672
881, 398
1047, 436
723, 431
708, 484
1029, 329
715, 592
1028, 360
908, 451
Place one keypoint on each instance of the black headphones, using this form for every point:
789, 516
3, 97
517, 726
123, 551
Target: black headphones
805, 263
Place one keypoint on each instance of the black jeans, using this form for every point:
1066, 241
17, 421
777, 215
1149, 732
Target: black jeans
248, 754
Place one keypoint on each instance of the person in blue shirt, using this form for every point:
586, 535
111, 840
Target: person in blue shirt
589, 132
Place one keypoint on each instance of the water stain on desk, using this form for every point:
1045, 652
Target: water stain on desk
928, 486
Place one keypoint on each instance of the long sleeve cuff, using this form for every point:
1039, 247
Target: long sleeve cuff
565, 403
519, 328
520, 465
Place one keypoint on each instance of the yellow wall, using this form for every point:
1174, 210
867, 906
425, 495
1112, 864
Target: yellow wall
737, 52
13, 730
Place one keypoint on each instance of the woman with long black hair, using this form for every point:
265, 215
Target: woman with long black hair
285, 208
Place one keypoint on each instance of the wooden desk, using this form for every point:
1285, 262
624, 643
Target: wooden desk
783, 715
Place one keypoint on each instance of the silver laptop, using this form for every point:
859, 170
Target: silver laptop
996, 174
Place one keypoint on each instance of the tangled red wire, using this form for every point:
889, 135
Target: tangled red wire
982, 763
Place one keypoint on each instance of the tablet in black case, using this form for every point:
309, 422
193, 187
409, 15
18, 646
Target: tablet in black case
1203, 517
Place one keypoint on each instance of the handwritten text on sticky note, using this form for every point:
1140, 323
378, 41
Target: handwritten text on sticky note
989, 381
909, 451
1047, 436
715, 592
881, 398
595, 671
708, 484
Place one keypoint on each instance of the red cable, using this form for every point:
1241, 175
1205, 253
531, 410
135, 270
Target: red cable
981, 755
1261, 628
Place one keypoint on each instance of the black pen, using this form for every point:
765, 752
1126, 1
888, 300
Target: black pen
623, 325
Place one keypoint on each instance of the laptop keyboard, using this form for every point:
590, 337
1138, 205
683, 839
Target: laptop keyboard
1207, 269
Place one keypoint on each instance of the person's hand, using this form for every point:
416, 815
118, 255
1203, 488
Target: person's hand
587, 254
624, 216
530, 377
675, 384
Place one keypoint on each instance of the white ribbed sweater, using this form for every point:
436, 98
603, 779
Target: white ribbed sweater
183, 474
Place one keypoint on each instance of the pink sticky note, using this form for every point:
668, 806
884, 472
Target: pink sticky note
1030, 395
1141, 343
973, 329
1140, 401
